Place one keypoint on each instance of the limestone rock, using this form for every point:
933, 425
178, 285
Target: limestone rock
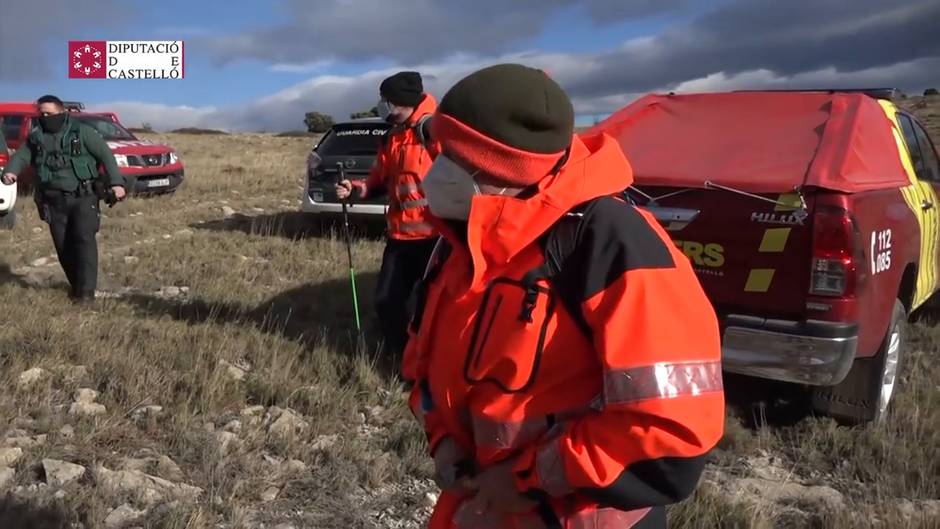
789, 493
168, 469
86, 409
228, 442
60, 473
122, 517
31, 377
270, 494
287, 424
234, 426
10, 455
147, 489
86, 395
25, 442
6, 476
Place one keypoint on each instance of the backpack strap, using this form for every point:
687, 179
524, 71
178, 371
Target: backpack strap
558, 245
421, 129
418, 297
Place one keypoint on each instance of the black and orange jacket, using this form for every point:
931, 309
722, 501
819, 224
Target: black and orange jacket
622, 418
399, 168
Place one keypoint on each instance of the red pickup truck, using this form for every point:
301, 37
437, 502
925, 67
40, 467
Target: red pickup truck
149, 167
811, 219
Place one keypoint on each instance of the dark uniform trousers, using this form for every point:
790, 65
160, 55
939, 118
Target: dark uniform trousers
403, 265
74, 219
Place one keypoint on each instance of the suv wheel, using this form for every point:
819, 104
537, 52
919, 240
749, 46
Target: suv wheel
866, 393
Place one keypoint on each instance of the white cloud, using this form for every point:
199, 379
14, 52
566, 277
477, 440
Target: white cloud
160, 117
917, 73
309, 67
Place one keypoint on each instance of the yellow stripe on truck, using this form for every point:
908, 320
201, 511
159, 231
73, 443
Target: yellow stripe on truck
788, 202
759, 280
915, 195
775, 240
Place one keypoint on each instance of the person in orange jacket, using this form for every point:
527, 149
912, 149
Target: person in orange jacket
587, 400
401, 163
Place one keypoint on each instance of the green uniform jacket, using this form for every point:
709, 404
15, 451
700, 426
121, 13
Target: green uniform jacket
55, 164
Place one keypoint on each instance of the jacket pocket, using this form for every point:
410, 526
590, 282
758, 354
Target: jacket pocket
414, 159
82, 170
509, 335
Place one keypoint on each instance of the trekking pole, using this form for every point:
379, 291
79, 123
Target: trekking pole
341, 176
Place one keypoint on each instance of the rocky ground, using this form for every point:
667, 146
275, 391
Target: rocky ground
219, 383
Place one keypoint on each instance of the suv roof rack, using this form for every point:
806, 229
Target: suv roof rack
74, 106
876, 93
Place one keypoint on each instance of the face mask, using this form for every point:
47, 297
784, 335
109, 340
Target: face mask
52, 123
384, 110
449, 189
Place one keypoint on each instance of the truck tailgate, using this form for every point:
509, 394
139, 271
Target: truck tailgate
752, 256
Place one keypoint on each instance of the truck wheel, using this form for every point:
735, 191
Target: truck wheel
8, 221
865, 394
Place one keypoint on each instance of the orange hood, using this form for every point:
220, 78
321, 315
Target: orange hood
501, 227
428, 105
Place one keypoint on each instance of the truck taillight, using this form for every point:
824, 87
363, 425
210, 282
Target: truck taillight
837, 253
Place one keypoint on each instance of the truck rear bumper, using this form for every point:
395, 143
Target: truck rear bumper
355, 209
371, 210
810, 352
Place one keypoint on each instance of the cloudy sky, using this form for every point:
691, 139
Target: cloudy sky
259, 65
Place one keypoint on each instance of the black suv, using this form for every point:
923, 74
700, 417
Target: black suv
353, 144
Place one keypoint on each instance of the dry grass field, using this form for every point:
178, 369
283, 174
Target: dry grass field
219, 383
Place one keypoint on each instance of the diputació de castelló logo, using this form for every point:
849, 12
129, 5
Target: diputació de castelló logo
125, 59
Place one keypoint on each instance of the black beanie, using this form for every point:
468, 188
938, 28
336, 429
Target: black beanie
403, 89
512, 121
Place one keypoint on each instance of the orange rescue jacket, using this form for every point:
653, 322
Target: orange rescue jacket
399, 168
620, 417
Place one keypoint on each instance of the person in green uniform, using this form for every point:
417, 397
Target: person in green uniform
65, 155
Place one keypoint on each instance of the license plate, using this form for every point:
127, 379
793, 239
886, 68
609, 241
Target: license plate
159, 182
318, 197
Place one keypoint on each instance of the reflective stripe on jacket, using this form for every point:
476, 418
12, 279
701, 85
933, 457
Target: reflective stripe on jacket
622, 419
400, 167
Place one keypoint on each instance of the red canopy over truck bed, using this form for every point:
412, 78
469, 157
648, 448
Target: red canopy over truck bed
761, 142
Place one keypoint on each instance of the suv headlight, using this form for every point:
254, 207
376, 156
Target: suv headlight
121, 160
174, 158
